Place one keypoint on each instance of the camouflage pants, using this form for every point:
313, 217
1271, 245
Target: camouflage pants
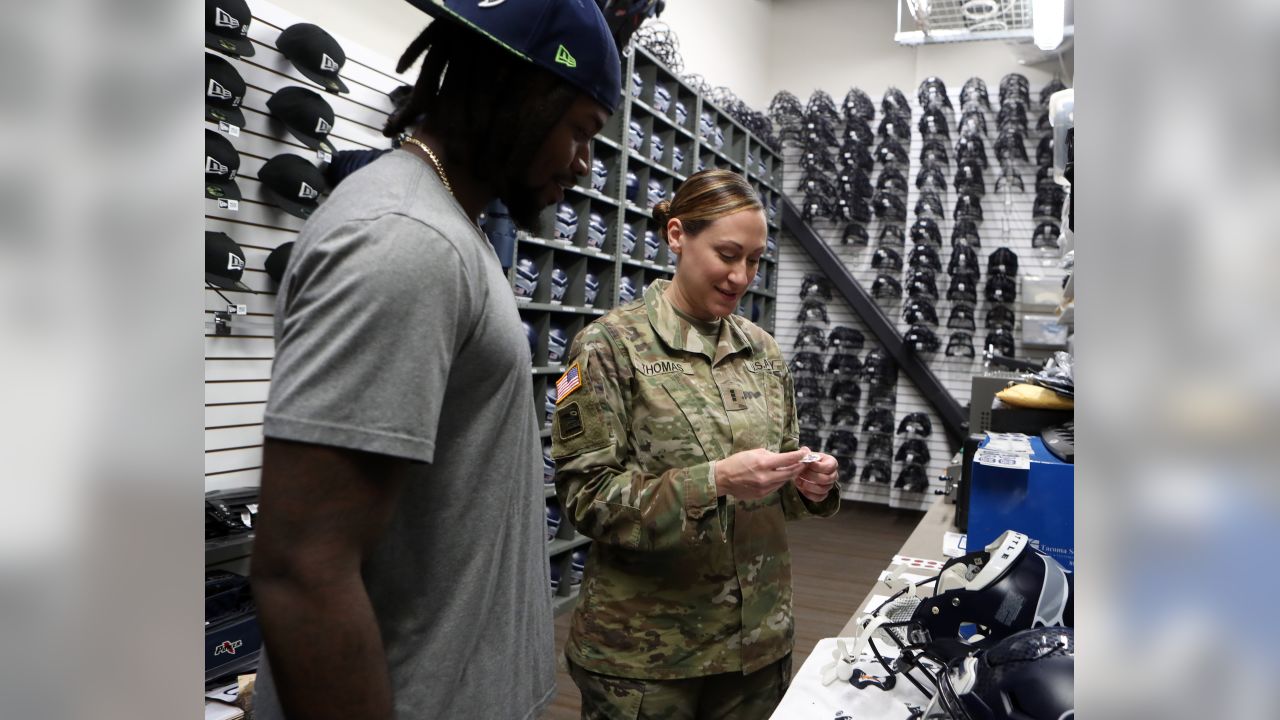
731, 696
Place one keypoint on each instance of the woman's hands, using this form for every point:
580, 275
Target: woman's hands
816, 479
753, 474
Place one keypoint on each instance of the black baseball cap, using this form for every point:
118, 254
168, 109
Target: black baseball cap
223, 261
278, 260
307, 116
293, 183
315, 54
226, 27
223, 91
221, 163
568, 38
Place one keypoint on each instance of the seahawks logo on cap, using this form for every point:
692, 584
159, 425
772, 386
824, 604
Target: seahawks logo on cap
322, 127
222, 18
234, 262
214, 167
217, 91
307, 192
327, 64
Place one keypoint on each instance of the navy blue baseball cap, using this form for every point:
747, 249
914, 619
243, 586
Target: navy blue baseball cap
568, 38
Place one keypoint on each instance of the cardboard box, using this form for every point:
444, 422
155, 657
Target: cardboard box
1038, 501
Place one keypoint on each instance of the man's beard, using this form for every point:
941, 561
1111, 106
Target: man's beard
525, 206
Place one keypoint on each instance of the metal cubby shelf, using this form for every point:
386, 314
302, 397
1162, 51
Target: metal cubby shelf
611, 266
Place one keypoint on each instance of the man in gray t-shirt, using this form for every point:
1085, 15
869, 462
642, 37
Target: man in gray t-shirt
400, 567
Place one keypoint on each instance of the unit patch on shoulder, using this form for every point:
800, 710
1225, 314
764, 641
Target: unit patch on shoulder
570, 381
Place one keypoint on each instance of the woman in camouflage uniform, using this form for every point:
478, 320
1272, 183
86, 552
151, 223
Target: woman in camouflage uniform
676, 451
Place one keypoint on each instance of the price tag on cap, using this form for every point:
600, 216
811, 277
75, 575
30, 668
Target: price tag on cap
228, 128
811, 457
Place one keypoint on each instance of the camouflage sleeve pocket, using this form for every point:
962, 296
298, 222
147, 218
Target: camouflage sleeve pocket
578, 426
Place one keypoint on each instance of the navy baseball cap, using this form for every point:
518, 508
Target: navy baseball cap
568, 38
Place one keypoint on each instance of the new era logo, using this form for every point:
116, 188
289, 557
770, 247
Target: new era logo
322, 127
217, 91
214, 167
564, 58
221, 18
307, 192
234, 262
327, 64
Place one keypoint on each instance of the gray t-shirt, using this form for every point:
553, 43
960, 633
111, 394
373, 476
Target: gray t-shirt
397, 333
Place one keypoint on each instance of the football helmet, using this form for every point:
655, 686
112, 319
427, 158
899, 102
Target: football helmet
1027, 676
657, 193
557, 344
599, 174
526, 285
656, 148
566, 222
978, 600
627, 291
597, 231
635, 135
682, 115
661, 98
651, 245
628, 241
559, 283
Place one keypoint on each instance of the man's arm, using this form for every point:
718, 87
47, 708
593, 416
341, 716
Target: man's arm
322, 509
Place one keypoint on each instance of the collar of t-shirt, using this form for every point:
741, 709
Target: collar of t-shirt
708, 329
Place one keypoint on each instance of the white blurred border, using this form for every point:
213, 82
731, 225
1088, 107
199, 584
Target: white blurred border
100, 309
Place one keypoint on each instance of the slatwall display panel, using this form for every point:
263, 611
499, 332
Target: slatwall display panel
794, 264
1007, 222
238, 366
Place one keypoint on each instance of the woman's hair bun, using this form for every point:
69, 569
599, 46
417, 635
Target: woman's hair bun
662, 213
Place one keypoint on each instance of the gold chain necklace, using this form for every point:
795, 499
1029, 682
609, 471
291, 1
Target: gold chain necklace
435, 161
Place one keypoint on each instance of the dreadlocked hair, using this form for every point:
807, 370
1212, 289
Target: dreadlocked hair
490, 108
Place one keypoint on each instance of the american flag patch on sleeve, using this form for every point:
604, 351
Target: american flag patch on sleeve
571, 380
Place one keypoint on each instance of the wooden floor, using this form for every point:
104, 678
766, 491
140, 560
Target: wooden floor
834, 564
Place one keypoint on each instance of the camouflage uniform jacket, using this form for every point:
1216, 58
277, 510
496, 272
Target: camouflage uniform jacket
679, 583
